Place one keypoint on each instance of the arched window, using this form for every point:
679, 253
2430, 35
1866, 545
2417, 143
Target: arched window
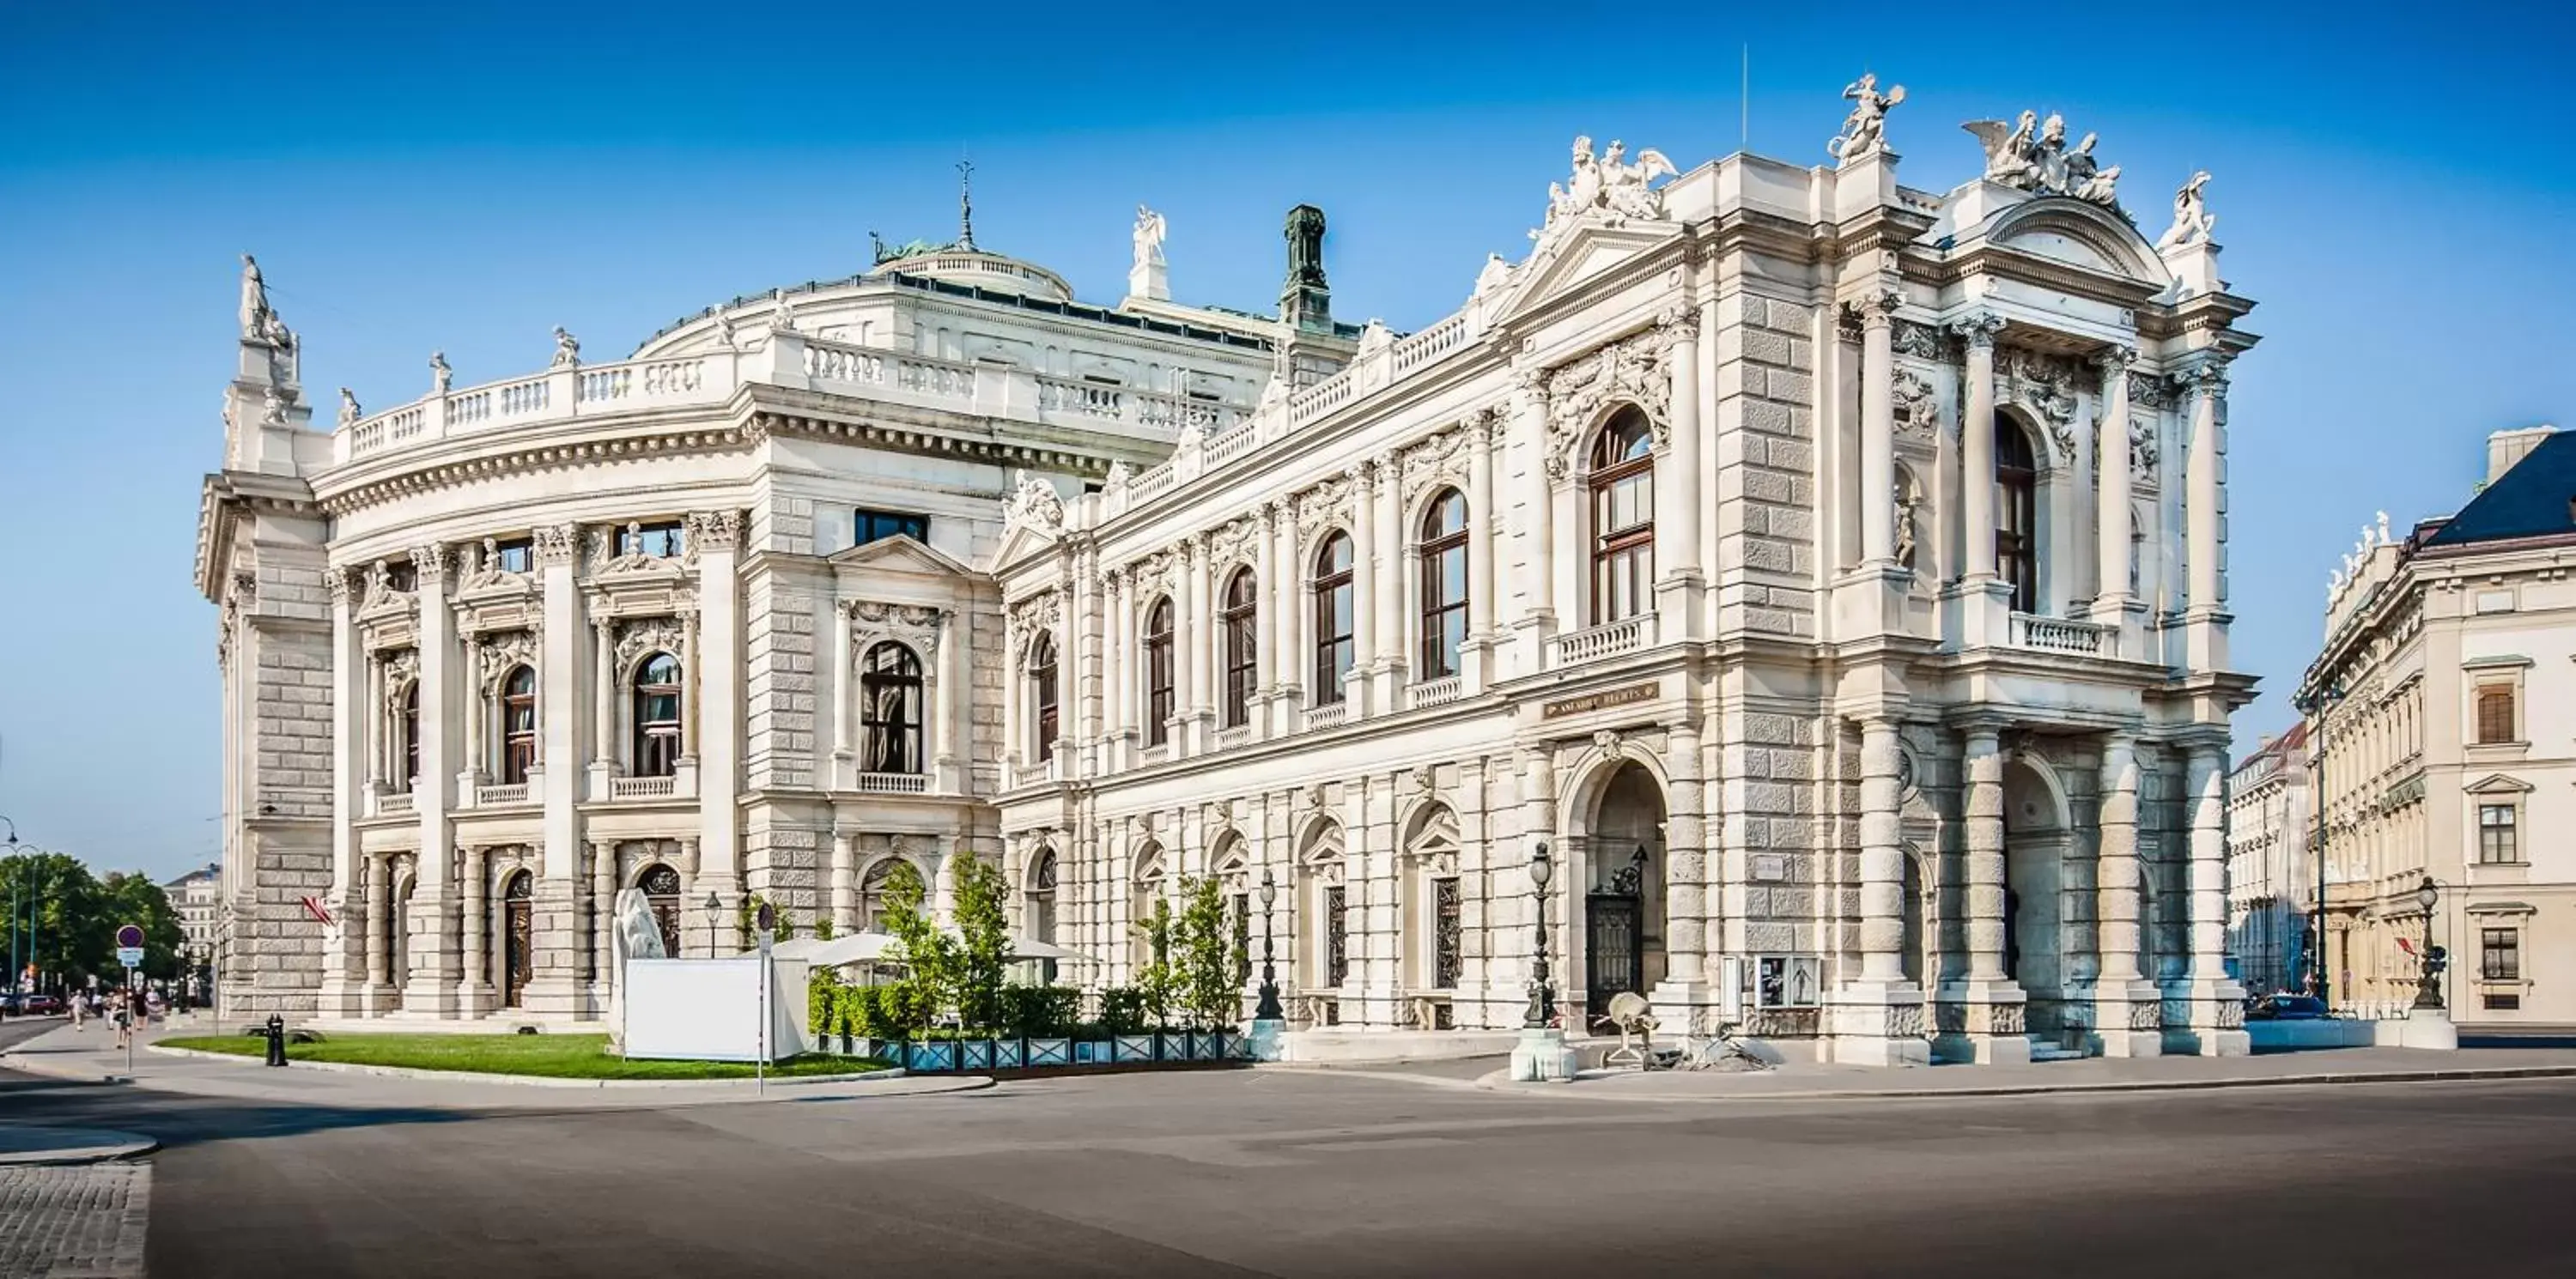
1042, 693
873, 887
1623, 518
661, 886
1038, 919
518, 725
890, 709
1158, 672
1334, 648
2017, 514
1242, 646
1444, 584
409, 733
657, 716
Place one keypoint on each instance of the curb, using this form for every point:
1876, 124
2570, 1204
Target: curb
544, 1081
106, 1144
1498, 1081
49, 1070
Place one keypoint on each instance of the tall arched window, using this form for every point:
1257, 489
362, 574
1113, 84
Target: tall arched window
1334, 648
1623, 518
409, 729
890, 709
1038, 918
1444, 584
518, 725
1042, 693
1158, 672
2017, 514
657, 716
1242, 646
661, 886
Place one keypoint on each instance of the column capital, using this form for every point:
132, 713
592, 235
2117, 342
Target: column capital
715, 530
429, 563
2205, 373
2114, 362
1876, 308
557, 544
1978, 329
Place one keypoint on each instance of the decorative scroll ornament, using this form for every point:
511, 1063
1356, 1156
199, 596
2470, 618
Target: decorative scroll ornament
1038, 612
1033, 504
2142, 449
712, 531
914, 625
1636, 368
1918, 409
1865, 129
556, 544
1609, 189
1922, 341
2033, 156
2045, 385
1325, 505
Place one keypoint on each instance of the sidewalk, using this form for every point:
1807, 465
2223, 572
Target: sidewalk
92, 1057
1812, 1081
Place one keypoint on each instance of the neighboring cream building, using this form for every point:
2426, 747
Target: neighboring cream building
2271, 880
1831, 571
2445, 744
197, 896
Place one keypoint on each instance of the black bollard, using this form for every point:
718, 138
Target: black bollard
276, 1040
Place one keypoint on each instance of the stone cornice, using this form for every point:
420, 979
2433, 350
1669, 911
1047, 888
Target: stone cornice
226, 496
626, 441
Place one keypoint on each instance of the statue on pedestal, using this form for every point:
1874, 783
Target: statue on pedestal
2192, 219
1865, 129
1149, 237
440, 376
349, 410
567, 349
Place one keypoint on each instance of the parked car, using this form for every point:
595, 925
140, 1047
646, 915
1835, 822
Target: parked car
45, 1005
2287, 1008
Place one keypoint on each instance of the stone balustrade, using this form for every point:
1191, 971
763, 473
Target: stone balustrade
893, 784
1606, 640
2061, 635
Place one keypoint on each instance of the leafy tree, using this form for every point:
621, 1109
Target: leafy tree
983, 942
73, 936
130, 898
934, 959
1160, 978
1208, 962
822, 926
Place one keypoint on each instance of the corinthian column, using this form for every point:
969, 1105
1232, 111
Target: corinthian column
1364, 619
2111, 462
1977, 446
1480, 552
1877, 428
1538, 497
2204, 503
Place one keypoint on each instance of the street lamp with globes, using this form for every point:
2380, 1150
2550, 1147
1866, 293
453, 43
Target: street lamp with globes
1269, 1009
2428, 987
1542, 992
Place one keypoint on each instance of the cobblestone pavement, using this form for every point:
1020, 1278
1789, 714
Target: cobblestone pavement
81, 1222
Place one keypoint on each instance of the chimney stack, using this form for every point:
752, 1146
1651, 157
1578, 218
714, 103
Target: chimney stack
2504, 448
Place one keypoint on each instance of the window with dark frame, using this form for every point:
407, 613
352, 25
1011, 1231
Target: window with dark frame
657, 716
2496, 714
2498, 841
1337, 953
890, 709
402, 575
1622, 484
518, 725
409, 727
1444, 584
1158, 672
1042, 693
660, 540
2017, 514
1238, 620
516, 555
1334, 650
2500, 954
876, 526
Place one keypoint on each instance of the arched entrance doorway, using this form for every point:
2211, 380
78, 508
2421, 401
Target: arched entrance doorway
2035, 850
398, 964
518, 939
1622, 844
661, 886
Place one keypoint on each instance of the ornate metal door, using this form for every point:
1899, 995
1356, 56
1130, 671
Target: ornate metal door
1614, 953
518, 947
661, 886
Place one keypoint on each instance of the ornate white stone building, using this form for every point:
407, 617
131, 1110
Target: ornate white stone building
2271, 873
1830, 571
2438, 721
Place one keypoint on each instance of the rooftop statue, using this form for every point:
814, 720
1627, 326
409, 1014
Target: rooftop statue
2032, 155
567, 349
1033, 502
782, 320
1493, 275
440, 376
1609, 185
1865, 129
349, 410
1149, 237
2192, 219
259, 321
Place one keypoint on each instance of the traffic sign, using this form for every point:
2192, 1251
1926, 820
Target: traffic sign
130, 956
129, 937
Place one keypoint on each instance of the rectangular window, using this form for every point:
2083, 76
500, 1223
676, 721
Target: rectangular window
518, 555
2500, 954
2497, 844
1445, 948
2495, 714
876, 526
661, 541
1337, 954
402, 576
2503, 1003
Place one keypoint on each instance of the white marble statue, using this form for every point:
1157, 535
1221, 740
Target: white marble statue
1581, 191
272, 408
440, 376
567, 349
1033, 502
1865, 129
2192, 220
1374, 337
782, 320
254, 298
2031, 154
1624, 186
1149, 237
724, 330
1119, 474
637, 935
2384, 539
1493, 275
349, 410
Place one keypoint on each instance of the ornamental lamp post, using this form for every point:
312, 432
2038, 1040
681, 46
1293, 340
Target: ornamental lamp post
2428, 986
1269, 1009
1542, 992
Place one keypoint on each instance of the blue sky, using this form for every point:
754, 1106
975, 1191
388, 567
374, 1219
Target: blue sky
2393, 187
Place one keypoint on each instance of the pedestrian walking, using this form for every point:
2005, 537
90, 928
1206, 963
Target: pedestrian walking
124, 1024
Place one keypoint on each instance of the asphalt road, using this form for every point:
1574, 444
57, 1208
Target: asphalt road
1312, 1174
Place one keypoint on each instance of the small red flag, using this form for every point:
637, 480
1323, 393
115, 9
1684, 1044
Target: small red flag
313, 907
2405, 945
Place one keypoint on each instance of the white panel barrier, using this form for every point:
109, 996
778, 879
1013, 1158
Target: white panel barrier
709, 1009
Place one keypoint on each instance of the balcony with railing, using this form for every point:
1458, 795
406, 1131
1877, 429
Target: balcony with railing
1229, 738
2062, 635
393, 803
1609, 639
1435, 692
488, 796
1329, 715
643, 787
893, 784
1037, 774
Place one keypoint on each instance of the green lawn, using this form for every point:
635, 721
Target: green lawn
552, 1056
